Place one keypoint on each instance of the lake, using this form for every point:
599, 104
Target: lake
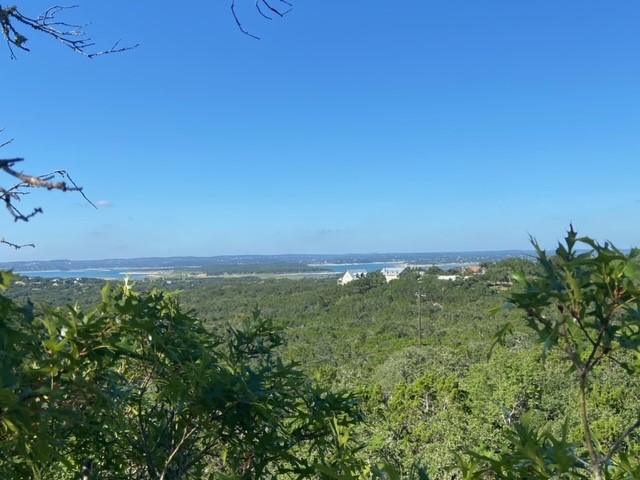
138, 273
369, 267
103, 273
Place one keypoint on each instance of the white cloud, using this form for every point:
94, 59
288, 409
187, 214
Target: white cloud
103, 203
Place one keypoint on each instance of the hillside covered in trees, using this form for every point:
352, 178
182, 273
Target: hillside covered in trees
303, 378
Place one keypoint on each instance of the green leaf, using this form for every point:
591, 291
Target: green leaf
6, 279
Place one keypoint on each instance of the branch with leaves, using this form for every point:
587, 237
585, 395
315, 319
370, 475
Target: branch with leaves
586, 302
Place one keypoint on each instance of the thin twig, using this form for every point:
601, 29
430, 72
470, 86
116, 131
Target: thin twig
261, 12
77, 188
14, 194
15, 245
176, 450
235, 17
619, 441
275, 10
70, 35
40, 181
259, 7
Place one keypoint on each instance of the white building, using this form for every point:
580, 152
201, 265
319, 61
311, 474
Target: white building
451, 278
392, 273
351, 275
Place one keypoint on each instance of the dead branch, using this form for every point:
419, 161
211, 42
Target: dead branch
276, 10
17, 246
259, 5
185, 437
235, 17
71, 35
57, 180
48, 181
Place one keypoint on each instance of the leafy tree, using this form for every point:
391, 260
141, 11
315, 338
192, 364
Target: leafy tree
585, 302
138, 389
368, 282
420, 423
502, 271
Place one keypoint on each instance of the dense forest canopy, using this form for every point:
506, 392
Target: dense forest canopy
458, 404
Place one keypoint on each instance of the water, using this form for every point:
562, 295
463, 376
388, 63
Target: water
369, 267
372, 267
102, 273
139, 273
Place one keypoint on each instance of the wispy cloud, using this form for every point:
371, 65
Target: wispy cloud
103, 204
104, 230
325, 232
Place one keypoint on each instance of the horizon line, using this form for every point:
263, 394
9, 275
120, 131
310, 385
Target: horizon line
451, 252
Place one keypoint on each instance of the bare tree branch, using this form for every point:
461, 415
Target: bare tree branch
185, 436
17, 246
235, 17
13, 23
7, 142
618, 443
69, 34
57, 180
277, 11
259, 4
261, 12
30, 181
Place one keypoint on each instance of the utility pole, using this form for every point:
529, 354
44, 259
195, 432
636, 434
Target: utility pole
419, 295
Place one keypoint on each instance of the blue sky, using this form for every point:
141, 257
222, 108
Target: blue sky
349, 127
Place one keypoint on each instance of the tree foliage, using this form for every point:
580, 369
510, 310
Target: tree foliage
138, 389
417, 405
584, 302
